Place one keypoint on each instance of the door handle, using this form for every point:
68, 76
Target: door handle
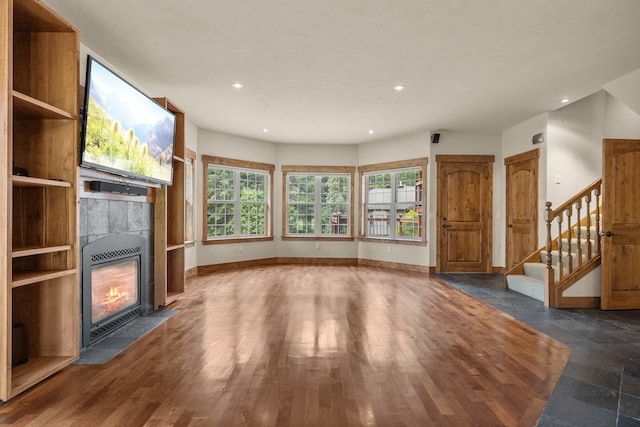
607, 234
510, 225
445, 226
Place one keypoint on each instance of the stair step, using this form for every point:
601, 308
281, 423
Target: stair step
526, 285
583, 245
583, 231
537, 270
555, 256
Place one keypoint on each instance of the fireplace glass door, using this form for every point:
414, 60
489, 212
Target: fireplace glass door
114, 287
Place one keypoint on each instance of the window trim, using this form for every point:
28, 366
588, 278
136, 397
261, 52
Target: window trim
318, 170
392, 167
189, 191
239, 164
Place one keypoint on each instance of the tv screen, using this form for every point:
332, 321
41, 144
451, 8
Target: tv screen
124, 131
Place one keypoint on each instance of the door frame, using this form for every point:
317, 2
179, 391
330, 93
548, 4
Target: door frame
519, 158
486, 218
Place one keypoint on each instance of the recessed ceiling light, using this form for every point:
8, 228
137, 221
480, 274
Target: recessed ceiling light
399, 88
371, 132
237, 85
265, 130
565, 100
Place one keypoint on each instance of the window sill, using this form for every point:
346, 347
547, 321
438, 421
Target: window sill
237, 240
394, 241
316, 238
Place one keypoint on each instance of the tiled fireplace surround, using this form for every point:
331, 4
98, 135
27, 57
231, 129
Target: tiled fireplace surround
101, 217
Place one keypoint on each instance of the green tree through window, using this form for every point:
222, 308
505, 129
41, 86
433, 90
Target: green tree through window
237, 200
318, 201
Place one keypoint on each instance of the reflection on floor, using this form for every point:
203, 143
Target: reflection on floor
600, 386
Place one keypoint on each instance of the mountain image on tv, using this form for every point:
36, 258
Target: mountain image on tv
125, 130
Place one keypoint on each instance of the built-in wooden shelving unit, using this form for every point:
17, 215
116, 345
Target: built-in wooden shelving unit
169, 273
39, 57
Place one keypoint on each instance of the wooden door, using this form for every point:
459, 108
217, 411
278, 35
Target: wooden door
464, 212
521, 206
620, 225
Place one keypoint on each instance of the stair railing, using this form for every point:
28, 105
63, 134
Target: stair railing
587, 201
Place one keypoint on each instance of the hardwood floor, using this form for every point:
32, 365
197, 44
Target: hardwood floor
312, 346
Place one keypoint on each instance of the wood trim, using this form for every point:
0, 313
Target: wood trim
237, 240
394, 241
455, 158
400, 164
393, 265
318, 169
6, 147
527, 155
192, 272
578, 302
190, 154
243, 164
317, 238
190, 232
211, 268
348, 262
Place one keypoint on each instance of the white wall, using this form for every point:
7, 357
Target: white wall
621, 122
574, 149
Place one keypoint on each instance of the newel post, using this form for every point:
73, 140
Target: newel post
548, 277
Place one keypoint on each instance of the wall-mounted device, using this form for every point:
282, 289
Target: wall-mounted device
112, 187
435, 138
538, 138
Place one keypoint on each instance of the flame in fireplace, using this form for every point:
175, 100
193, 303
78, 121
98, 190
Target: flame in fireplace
114, 288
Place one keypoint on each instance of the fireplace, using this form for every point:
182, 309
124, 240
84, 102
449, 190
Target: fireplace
113, 274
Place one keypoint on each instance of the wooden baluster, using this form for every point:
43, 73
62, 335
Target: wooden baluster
569, 213
589, 248
548, 219
598, 242
560, 264
578, 230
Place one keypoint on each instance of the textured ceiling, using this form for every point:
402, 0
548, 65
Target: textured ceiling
323, 71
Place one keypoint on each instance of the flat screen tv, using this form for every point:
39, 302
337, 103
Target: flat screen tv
124, 131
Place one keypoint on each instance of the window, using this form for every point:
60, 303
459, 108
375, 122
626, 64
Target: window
238, 200
392, 201
317, 202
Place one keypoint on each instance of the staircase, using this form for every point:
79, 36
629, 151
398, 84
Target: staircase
568, 257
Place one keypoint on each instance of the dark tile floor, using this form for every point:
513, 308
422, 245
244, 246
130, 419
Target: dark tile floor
600, 386
118, 340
